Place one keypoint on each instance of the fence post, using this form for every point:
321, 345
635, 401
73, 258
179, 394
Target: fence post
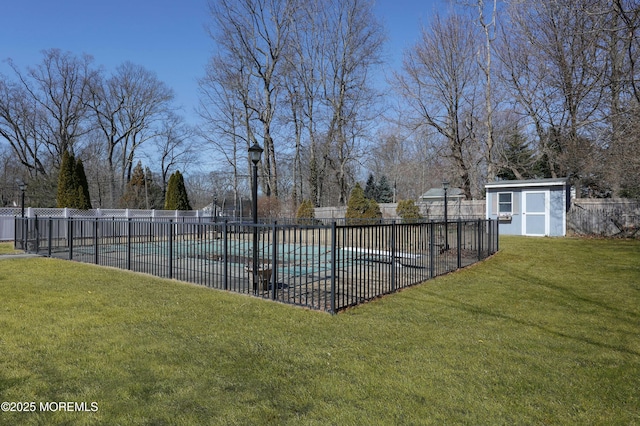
479, 239
15, 231
459, 242
37, 229
489, 236
128, 244
225, 254
50, 237
334, 269
274, 262
170, 248
25, 233
432, 243
95, 241
70, 236
393, 256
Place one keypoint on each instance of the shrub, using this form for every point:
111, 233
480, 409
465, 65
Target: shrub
408, 211
361, 209
306, 213
270, 207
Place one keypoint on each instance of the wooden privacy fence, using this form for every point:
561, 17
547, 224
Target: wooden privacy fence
323, 267
457, 209
604, 217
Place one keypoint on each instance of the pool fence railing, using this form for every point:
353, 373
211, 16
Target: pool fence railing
327, 267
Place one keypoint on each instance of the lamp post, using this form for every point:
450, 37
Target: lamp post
445, 186
255, 152
23, 188
215, 208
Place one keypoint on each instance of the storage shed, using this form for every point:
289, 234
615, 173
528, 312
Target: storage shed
437, 194
529, 207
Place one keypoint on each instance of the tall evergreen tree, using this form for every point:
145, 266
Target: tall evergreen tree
67, 189
370, 188
84, 199
170, 197
73, 189
384, 192
154, 191
517, 159
177, 198
135, 193
183, 198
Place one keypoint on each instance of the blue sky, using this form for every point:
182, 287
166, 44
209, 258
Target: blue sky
167, 37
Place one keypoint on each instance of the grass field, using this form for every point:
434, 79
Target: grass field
7, 248
547, 331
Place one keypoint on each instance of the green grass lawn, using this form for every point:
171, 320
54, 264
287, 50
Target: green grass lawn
547, 331
7, 248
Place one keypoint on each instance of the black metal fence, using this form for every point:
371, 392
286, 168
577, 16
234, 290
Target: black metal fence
323, 267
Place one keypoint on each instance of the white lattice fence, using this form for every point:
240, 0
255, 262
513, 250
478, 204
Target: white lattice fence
7, 215
7, 225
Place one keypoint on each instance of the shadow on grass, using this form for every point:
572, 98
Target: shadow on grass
575, 296
8, 383
468, 307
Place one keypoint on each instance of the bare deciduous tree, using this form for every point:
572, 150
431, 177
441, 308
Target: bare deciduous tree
127, 109
174, 147
226, 118
621, 41
297, 72
439, 81
354, 45
65, 104
18, 126
44, 113
554, 66
256, 33
60, 86
486, 65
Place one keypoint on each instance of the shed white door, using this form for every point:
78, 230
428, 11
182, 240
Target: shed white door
535, 213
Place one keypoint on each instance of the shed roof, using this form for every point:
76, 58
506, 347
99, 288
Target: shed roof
527, 183
438, 194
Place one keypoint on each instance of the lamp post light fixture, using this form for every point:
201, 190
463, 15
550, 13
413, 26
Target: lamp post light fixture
255, 152
445, 187
23, 187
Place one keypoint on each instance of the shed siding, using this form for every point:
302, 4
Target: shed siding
557, 212
557, 204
